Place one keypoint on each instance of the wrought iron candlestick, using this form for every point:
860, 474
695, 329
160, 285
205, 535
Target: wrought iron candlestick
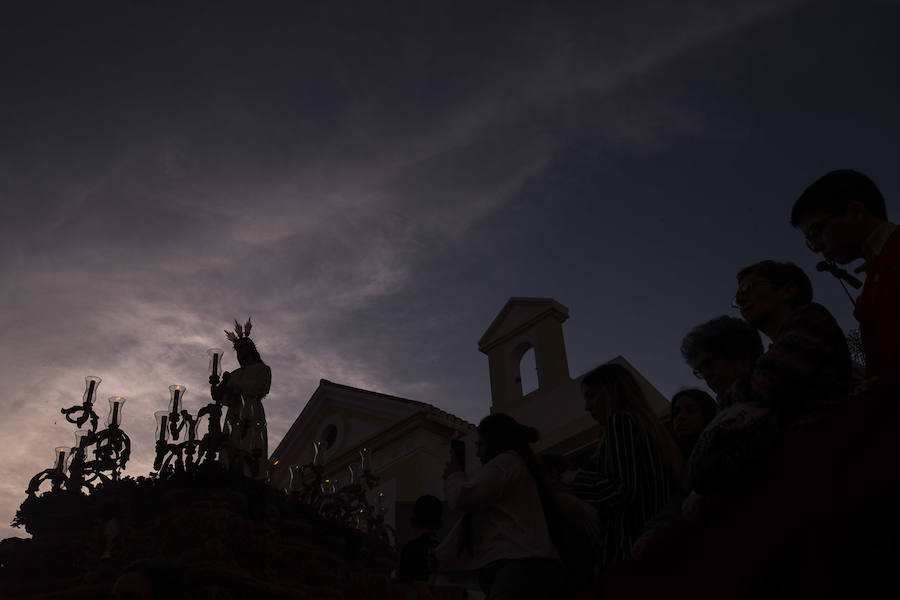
171, 423
96, 456
346, 503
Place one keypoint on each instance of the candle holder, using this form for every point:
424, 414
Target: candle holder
176, 397
177, 453
215, 364
114, 419
97, 456
182, 453
79, 415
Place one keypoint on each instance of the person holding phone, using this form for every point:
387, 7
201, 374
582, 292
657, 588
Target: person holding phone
509, 532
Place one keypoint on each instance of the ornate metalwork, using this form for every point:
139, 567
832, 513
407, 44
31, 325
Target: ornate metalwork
84, 411
182, 453
346, 503
238, 446
96, 456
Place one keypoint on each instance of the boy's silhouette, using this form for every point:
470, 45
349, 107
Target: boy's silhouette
843, 217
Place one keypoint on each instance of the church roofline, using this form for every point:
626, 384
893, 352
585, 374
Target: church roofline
377, 439
428, 407
551, 307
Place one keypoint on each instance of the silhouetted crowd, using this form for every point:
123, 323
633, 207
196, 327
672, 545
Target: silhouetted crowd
786, 484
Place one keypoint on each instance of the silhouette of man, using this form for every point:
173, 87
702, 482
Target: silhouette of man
843, 217
807, 367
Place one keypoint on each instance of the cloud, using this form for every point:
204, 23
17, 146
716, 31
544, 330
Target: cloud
298, 185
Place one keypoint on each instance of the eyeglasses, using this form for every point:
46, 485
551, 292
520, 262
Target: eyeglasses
813, 233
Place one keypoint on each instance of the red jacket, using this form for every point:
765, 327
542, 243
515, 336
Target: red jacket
878, 310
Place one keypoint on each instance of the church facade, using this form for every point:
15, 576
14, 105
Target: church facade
407, 441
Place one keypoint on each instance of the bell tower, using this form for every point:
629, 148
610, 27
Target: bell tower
523, 324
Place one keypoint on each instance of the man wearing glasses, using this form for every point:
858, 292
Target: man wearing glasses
807, 367
843, 217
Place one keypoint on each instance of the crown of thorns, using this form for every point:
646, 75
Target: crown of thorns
240, 334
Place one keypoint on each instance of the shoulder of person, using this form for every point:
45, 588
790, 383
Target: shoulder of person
813, 310
508, 461
811, 317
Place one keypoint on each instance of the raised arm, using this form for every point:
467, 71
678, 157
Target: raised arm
482, 490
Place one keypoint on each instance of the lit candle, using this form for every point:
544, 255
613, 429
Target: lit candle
316, 445
61, 458
177, 393
215, 360
115, 411
79, 438
163, 422
363, 460
295, 483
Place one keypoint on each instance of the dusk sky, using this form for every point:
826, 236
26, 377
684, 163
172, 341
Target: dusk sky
372, 181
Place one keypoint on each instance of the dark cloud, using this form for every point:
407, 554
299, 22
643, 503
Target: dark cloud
373, 182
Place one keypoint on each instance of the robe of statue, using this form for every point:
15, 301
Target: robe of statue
245, 421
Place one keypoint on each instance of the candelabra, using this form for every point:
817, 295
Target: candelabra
172, 423
95, 452
348, 503
238, 445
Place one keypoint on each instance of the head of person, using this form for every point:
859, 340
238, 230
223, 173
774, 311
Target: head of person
692, 410
837, 213
721, 350
612, 388
499, 432
427, 513
768, 290
246, 351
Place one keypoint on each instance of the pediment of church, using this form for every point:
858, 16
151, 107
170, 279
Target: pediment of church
341, 417
518, 315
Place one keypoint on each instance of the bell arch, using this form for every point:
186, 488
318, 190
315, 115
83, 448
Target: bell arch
525, 324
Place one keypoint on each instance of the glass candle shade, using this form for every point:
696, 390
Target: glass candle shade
162, 425
352, 471
363, 460
215, 361
379, 503
296, 482
115, 411
317, 453
60, 455
79, 439
91, 383
177, 399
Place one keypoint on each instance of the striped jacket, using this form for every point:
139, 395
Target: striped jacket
628, 486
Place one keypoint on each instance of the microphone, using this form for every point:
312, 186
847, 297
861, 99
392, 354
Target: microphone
831, 267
